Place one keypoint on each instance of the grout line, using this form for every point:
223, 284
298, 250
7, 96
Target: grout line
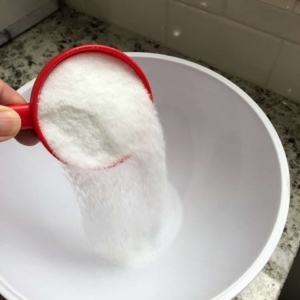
197, 8
274, 63
277, 7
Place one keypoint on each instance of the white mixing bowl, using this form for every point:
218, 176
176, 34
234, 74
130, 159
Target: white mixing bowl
229, 168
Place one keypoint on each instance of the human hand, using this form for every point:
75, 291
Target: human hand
10, 122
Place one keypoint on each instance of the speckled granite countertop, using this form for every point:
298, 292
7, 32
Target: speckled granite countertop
22, 59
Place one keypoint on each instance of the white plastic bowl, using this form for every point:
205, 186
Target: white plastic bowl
228, 165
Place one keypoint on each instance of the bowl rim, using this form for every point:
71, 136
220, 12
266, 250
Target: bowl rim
7, 291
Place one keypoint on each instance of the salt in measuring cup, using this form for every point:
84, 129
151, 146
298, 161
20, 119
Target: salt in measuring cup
28, 112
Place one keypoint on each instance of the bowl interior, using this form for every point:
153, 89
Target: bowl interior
229, 169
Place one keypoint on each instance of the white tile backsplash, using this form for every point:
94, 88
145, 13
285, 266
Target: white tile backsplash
232, 47
214, 6
12, 11
242, 37
264, 17
285, 77
15, 20
284, 4
146, 17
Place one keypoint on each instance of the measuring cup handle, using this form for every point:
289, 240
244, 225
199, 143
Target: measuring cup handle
24, 112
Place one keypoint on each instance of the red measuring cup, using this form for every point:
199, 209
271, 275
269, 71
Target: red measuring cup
28, 111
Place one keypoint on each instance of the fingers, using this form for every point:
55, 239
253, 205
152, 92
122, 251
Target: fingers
8, 95
10, 123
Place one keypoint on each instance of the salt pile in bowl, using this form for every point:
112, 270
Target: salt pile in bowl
95, 111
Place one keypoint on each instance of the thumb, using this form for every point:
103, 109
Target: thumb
10, 123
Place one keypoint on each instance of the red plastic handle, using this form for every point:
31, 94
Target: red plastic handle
24, 112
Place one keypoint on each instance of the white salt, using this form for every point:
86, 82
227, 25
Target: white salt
95, 111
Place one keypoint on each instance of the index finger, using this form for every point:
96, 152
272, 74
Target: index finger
8, 95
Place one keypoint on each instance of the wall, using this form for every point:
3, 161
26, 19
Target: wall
17, 16
258, 40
